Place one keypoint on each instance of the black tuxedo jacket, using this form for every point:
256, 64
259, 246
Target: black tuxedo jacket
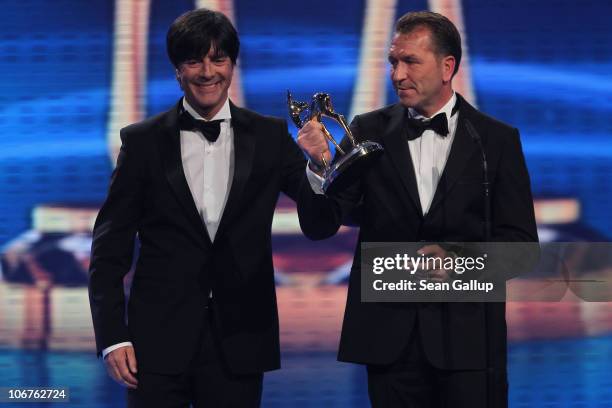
454, 335
178, 264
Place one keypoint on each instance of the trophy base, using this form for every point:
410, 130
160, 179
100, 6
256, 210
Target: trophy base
350, 166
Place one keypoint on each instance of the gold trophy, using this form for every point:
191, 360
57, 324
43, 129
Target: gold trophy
348, 166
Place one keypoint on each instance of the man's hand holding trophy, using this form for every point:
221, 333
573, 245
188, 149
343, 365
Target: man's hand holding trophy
349, 162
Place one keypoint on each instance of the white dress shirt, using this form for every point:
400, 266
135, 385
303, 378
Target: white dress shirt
209, 170
209, 167
429, 154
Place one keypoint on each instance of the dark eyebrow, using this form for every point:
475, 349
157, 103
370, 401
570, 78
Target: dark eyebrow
409, 57
218, 53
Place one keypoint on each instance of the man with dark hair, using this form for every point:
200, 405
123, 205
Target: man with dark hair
198, 184
428, 186
445, 38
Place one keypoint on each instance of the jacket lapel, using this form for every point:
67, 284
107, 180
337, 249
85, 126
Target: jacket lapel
244, 149
396, 147
462, 149
173, 166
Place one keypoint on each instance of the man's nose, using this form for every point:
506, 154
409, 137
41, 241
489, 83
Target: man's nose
206, 69
398, 73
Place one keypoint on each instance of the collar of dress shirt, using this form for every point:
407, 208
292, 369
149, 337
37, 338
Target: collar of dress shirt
223, 114
447, 109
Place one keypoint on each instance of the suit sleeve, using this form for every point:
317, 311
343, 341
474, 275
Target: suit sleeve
512, 202
513, 215
113, 247
313, 209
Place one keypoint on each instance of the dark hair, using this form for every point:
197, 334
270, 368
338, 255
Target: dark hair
192, 34
444, 34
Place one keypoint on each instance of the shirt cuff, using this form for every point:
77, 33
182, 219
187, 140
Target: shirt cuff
115, 347
316, 181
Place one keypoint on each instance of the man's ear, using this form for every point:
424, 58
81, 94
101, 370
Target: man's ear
178, 76
448, 67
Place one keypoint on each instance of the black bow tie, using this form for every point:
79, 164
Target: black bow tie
438, 124
210, 129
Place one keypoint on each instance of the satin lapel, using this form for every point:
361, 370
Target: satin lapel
396, 147
462, 149
173, 164
244, 149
